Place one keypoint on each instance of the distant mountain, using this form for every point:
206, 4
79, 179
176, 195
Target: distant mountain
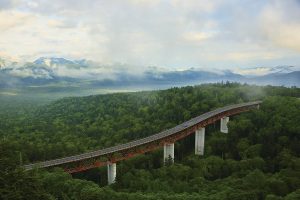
189, 76
282, 69
5, 62
50, 62
49, 70
261, 71
285, 79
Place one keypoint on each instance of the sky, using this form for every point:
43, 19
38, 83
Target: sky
173, 34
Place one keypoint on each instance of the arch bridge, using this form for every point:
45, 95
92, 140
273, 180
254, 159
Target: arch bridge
166, 139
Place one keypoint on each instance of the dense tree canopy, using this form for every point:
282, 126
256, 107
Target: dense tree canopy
257, 159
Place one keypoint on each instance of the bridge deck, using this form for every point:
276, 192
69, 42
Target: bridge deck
139, 142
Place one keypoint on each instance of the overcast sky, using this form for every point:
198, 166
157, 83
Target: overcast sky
172, 34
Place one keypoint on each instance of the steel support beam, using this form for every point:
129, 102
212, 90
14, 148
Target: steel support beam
223, 127
199, 141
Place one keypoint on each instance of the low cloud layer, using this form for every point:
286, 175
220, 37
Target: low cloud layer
194, 33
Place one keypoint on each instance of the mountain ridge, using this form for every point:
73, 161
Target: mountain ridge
49, 70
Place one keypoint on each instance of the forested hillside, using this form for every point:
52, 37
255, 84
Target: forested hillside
257, 159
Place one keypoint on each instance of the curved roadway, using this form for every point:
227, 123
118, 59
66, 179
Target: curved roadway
139, 142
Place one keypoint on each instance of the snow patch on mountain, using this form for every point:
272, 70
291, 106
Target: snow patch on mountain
48, 69
261, 71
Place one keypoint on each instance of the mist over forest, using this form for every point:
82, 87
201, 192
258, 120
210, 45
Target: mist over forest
149, 100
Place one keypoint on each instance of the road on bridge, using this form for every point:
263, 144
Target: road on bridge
116, 153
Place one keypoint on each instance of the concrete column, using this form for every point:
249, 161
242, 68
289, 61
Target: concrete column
223, 127
169, 152
199, 141
111, 172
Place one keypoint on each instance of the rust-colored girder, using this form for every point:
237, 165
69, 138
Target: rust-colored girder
129, 153
128, 150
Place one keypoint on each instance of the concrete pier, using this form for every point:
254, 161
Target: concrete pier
111, 172
199, 141
169, 152
223, 127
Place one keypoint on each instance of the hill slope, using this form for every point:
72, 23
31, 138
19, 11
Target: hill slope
258, 159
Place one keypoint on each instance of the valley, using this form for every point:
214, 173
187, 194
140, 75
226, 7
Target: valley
253, 159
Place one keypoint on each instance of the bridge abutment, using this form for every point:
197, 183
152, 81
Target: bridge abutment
223, 127
199, 141
111, 172
169, 152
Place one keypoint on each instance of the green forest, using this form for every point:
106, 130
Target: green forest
259, 159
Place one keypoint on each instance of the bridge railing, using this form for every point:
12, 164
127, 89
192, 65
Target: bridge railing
139, 142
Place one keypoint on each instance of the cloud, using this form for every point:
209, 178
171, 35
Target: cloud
280, 23
253, 71
197, 36
54, 23
11, 19
6, 4
197, 5
260, 71
162, 33
241, 56
90, 72
27, 34
25, 71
